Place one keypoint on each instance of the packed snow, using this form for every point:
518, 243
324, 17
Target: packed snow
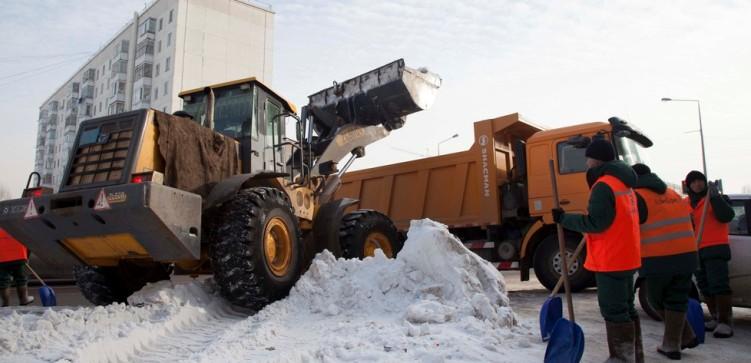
435, 302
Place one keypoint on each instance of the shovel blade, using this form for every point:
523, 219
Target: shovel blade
47, 295
566, 343
695, 317
550, 313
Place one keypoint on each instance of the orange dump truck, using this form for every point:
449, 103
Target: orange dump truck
496, 196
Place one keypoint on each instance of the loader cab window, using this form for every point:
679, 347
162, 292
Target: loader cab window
195, 105
233, 111
571, 159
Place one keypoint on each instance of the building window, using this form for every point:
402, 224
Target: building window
166, 64
156, 93
103, 70
161, 21
147, 26
143, 70
121, 87
158, 46
170, 16
100, 107
97, 75
166, 84
124, 45
156, 71
169, 39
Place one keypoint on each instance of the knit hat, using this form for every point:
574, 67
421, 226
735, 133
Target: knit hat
641, 169
600, 149
695, 175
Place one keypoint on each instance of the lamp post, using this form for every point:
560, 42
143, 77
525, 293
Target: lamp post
701, 130
438, 147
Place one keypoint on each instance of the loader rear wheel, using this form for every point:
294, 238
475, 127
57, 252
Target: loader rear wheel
548, 264
364, 231
256, 250
107, 285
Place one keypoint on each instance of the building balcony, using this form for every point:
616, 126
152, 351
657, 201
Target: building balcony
71, 120
89, 76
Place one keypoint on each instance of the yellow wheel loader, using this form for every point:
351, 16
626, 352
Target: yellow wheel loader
237, 184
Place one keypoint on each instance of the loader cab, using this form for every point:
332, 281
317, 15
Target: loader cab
249, 112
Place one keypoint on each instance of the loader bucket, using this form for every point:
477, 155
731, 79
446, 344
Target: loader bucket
382, 96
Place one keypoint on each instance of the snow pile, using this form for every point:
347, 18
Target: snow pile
436, 301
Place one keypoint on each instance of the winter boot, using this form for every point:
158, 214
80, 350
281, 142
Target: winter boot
688, 339
638, 347
724, 317
711, 324
620, 341
5, 294
671, 340
23, 296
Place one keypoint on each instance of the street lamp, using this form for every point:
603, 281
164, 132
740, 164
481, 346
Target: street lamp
701, 130
438, 147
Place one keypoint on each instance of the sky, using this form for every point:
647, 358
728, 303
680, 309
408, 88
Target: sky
557, 63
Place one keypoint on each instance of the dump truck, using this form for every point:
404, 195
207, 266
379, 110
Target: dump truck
236, 184
496, 196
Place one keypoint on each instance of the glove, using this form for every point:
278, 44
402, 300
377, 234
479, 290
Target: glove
558, 214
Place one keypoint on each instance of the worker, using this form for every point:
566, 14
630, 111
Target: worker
668, 258
13, 256
714, 252
612, 233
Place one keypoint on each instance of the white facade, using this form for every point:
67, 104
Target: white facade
171, 46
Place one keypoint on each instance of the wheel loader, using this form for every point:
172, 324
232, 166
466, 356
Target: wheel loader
237, 184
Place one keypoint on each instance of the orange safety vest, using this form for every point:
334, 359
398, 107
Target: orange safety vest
10, 249
617, 248
715, 232
668, 230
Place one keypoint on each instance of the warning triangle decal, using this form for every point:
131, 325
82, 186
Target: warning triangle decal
31, 210
101, 202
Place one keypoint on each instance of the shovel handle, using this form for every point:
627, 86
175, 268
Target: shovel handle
705, 208
35, 274
562, 245
573, 258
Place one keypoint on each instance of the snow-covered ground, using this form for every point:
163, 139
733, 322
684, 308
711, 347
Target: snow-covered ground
435, 302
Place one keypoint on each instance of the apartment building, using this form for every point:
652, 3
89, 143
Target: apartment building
171, 45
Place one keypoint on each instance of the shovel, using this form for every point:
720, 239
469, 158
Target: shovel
46, 294
567, 338
552, 309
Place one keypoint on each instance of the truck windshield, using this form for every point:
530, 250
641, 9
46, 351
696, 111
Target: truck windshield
629, 151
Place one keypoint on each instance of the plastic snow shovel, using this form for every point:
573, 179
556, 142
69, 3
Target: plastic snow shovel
695, 317
46, 294
552, 308
566, 342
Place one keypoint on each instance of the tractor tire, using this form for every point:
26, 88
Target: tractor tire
107, 285
547, 264
364, 231
256, 250
97, 285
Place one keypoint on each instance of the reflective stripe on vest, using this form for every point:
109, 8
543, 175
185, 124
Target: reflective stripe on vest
10, 249
617, 248
668, 230
715, 232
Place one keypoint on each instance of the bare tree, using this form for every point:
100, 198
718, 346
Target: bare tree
4, 193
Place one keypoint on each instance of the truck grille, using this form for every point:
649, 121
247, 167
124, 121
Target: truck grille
105, 160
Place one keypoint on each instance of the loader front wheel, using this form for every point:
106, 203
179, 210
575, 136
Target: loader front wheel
364, 231
256, 249
97, 285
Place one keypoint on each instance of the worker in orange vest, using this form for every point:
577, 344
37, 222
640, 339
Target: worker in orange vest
668, 256
13, 256
613, 253
714, 253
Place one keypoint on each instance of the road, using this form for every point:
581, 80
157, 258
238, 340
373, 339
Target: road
526, 299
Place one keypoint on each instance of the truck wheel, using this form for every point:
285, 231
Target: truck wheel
364, 231
644, 301
256, 251
548, 264
98, 285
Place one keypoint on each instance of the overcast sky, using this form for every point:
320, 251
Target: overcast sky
556, 62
